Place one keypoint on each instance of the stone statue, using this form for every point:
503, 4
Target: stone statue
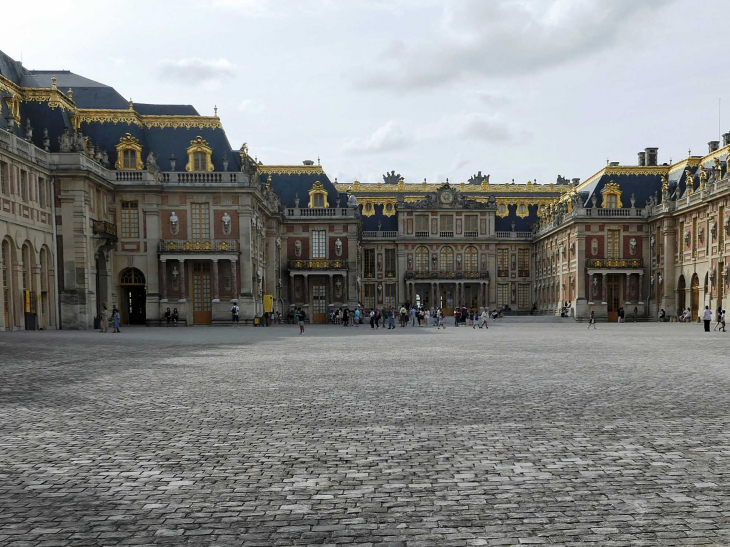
46, 140
660, 279
28, 130
296, 200
174, 223
687, 237
633, 201
561, 180
173, 162
224, 161
458, 261
410, 262
513, 225
65, 141
391, 178
338, 247
226, 219
152, 167
351, 201
434, 263
104, 158
298, 248
632, 246
478, 178
338, 288
713, 229
78, 144
594, 246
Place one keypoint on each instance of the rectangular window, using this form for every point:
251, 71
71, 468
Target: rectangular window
613, 244
390, 295
523, 296
368, 296
319, 244
390, 262
4, 182
422, 225
611, 202
200, 161
503, 294
200, 220
23, 185
471, 228
369, 262
447, 223
523, 262
318, 201
502, 262
130, 159
721, 231
130, 219
694, 237
41, 192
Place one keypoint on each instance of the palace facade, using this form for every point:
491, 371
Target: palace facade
105, 202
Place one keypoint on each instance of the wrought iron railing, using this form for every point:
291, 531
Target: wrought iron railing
318, 264
446, 275
614, 263
198, 245
372, 234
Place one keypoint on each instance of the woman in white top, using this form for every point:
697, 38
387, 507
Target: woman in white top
484, 318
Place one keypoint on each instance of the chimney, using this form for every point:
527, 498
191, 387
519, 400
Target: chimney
576, 182
614, 164
308, 162
642, 159
712, 146
651, 156
726, 139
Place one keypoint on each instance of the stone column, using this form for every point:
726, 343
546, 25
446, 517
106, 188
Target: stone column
330, 289
214, 274
627, 300
594, 278
604, 279
244, 237
305, 295
163, 280
234, 279
183, 286
641, 287
669, 282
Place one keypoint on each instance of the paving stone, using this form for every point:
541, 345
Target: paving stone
529, 433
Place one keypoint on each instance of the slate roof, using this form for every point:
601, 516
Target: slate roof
642, 186
288, 185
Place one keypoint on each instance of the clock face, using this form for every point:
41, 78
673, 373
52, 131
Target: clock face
447, 197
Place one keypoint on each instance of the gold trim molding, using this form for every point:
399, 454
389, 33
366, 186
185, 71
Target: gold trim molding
128, 142
290, 170
51, 95
467, 189
199, 146
318, 190
384, 201
98, 115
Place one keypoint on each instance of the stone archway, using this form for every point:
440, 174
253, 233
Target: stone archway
133, 293
681, 295
695, 297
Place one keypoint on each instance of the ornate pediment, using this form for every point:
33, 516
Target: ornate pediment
448, 197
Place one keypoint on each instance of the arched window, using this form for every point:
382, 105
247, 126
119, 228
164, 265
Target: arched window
422, 255
471, 259
131, 276
318, 196
200, 156
446, 259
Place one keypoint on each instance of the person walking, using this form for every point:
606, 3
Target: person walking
441, 320
235, 311
485, 318
301, 316
592, 320
719, 317
104, 319
413, 316
357, 317
707, 318
115, 320
722, 321
391, 318
636, 313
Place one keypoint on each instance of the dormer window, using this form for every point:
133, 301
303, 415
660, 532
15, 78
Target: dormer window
200, 156
129, 153
318, 196
611, 196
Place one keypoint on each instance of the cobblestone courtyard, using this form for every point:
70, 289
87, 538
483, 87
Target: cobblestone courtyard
529, 433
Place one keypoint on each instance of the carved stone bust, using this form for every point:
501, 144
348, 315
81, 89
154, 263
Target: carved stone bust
174, 223
298, 248
338, 247
226, 219
632, 246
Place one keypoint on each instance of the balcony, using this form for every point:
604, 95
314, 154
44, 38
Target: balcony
514, 235
329, 213
198, 245
446, 275
390, 234
318, 264
424, 233
104, 229
446, 234
23, 148
471, 233
611, 263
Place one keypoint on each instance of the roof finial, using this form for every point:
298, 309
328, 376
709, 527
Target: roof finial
447, 180
53, 82
689, 153
215, 110
131, 104
607, 161
318, 160
70, 93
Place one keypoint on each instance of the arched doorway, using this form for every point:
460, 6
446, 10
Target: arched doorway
695, 302
681, 295
134, 297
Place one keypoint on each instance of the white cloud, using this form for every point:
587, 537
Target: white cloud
250, 106
248, 7
195, 69
390, 136
508, 37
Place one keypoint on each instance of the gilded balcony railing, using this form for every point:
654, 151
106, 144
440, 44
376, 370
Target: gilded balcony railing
104, 228
446, 275
614, 263
318, 264
198, 245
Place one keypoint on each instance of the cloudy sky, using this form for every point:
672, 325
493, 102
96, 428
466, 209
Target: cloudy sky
519, 89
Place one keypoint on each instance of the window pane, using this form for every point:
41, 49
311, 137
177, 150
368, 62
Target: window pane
130, 219
319, 238
200, 221
369, 262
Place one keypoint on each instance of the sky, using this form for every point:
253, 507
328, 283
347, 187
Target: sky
433, 89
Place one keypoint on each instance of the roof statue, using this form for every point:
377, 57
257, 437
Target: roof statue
479, 178
391, 178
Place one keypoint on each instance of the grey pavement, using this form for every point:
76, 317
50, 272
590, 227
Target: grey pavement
530, 433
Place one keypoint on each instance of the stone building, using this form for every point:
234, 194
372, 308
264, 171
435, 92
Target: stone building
145, 207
